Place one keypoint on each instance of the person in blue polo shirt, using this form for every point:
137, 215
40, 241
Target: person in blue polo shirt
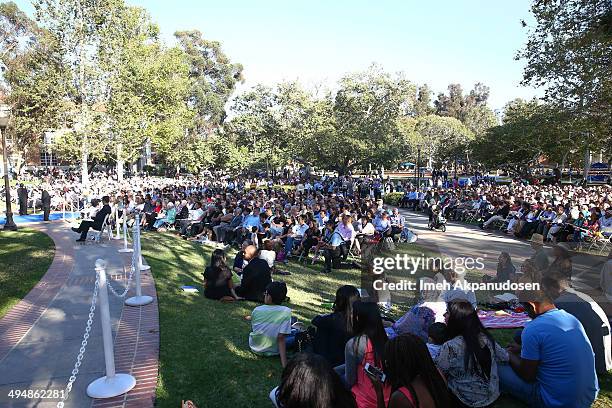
554, 366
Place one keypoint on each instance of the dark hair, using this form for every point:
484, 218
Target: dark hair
437, 332
463, 321
308, 381
345, 297
105, 199
277, 292
367, 321
217, 258
217, 271
407, 357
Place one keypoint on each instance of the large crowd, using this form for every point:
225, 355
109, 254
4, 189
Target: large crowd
438, 354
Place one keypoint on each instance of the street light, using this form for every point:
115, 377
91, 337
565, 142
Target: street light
4, 116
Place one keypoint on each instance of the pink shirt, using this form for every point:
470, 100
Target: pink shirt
346, 231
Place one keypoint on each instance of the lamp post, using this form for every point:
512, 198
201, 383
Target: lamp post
4, 116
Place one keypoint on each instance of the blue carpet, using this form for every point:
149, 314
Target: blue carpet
21, 219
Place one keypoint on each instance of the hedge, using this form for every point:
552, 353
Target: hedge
393, 198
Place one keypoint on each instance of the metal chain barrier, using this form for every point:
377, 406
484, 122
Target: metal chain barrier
129, 282
77, 365
133, 267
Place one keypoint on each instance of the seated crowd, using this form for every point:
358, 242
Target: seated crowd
438, 354
558, 213
355, 360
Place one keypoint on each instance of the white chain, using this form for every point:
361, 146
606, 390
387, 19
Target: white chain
127, 286
135, 264
75, 370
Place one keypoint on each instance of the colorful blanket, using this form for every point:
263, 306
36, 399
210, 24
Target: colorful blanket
507, 321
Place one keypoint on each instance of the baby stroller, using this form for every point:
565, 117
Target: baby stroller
436, 219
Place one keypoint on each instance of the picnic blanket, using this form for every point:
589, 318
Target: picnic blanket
508, 321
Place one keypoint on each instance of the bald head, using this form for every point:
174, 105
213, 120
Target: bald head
250, 252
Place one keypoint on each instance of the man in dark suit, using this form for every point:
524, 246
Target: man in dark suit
97, 221
255, 276
22, 196
46, 203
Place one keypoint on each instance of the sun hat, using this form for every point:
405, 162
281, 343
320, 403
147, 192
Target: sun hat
537, 239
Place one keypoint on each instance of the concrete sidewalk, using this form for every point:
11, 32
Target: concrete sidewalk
44, 356
468, 240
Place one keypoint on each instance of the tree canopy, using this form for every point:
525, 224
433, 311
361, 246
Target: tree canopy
101, 77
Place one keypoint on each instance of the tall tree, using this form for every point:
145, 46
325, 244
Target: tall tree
79, 28
33, 76
423, 104
213, 79
569, 53
471, 109
148, 92
529, 132
443, 137
256, 126
366, 108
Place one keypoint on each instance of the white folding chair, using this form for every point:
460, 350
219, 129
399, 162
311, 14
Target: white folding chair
106, 227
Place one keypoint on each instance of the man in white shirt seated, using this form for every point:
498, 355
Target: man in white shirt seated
397, 222
605, 222
196, 215
296, 234
557, 223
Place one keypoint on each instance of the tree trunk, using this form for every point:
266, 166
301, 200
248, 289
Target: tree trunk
84, 169
119, 162
563, 161
587, 163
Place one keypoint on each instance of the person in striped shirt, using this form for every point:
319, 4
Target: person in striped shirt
271, 324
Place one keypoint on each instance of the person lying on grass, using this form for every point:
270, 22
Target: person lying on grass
271, 324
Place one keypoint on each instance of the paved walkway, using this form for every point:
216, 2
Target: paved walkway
41, 336
468, 240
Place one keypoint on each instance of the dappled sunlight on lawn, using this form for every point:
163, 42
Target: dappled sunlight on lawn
204, 352
25, 256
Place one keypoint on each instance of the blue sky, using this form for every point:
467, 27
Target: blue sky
435, 42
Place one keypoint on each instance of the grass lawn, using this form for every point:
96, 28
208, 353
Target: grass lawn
204, 353
25, 256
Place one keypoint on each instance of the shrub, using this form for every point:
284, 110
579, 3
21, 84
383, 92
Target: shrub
393, 198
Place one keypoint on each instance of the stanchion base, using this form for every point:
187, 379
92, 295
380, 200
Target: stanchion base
105, 387
126, 250
144, 267
138, 300
117, 238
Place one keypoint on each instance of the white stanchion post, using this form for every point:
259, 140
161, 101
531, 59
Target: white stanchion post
141, 264
139, 299
111, 384
118, 236
64, 208
125, 248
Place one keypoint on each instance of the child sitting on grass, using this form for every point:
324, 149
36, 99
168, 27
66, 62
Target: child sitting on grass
271, 324
437, 337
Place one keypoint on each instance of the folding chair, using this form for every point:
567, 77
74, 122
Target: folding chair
602, 244
352, 252
106, 227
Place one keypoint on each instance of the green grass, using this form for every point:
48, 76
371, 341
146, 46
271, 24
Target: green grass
25, 256
204, 353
